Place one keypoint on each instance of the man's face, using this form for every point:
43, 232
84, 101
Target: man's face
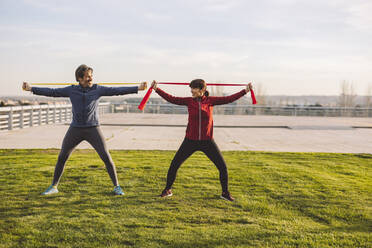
87, 80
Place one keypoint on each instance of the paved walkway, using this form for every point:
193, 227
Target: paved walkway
255, 133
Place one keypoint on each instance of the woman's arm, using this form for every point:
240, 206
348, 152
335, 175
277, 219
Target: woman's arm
219, 100
170, 98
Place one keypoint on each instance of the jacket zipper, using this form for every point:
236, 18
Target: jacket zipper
84, 100
200, 119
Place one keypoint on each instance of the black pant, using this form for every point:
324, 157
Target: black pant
73, 137
188, 147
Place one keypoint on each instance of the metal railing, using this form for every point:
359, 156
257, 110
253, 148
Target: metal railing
249, 110
35, 115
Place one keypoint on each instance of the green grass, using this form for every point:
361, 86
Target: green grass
283, 200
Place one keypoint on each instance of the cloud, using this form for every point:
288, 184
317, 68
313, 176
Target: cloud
360, 15
272, 41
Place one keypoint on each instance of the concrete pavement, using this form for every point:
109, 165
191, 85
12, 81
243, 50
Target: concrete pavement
255, 133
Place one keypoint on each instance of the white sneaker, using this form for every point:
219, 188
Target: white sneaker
50, 190
118, 190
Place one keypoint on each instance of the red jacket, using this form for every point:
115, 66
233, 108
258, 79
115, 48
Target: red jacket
200, 125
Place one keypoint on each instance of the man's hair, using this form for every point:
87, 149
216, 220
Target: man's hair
80, 71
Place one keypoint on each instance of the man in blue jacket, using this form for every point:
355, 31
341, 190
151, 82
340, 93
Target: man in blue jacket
84, 126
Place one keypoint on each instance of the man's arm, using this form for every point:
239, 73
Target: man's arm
53, 92
116, 91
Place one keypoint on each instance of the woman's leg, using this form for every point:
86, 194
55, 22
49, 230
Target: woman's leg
210, 149
72, 138
95, 137
186, 149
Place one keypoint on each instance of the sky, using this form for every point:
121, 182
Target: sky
292, 47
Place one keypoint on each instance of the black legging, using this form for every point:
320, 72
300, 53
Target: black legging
188, 147
73, 137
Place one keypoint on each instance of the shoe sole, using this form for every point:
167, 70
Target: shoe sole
226, 198
49, 193
166, 196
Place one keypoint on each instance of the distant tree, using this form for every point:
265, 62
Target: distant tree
216, 91
368, 97
260, 92
347, 96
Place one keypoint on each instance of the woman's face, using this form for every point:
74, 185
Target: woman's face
196, 92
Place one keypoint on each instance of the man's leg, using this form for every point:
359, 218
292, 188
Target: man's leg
97, 140
71, 140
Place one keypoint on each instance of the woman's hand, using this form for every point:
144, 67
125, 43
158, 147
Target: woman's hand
142, 86
249, 87
154, 85
26, 86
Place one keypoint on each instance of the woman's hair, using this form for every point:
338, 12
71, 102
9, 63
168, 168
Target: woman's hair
200, 84
80, 71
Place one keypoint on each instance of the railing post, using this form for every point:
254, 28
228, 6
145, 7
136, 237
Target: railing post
32, 116
54, 113
21, 118
47, 115
60, 114
10, 119
67, 114
40, 115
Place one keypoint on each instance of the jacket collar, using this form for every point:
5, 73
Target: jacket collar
85, 89
199, 99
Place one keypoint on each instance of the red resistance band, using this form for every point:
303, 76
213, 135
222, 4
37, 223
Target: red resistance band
142, 105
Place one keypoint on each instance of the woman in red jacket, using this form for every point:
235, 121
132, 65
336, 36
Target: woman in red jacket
199, 132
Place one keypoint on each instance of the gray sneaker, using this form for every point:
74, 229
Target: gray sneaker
118, 190
50, 190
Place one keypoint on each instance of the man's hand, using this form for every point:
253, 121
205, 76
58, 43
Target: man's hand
249, 87
26, 86
142, 86
154, 85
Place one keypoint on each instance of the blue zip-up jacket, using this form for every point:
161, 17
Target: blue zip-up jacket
84, 100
